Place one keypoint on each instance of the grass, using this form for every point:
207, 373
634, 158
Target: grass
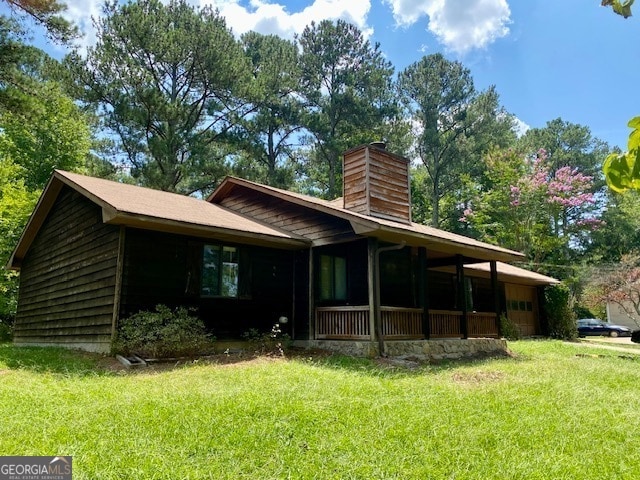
551, 412
605, 341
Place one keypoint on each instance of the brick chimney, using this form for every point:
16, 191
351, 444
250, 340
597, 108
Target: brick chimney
375, 182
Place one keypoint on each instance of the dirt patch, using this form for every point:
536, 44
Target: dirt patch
477, 378
225, 359
409, 363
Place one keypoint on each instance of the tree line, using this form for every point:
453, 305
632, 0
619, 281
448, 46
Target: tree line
169, 98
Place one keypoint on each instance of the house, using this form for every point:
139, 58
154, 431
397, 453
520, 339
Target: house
354, 274
623, 313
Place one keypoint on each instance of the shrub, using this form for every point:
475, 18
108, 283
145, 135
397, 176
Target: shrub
270, 343
584, 312
561, 319
162, 333
509, 330
635, 336
6, 330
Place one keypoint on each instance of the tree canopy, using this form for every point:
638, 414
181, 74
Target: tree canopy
46, 13
170, 81
453, 122
182, 102
346, 86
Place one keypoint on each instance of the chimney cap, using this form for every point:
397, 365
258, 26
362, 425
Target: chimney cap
379, 144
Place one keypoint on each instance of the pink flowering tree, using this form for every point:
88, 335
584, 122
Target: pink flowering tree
527, 206
566, 195
618, 285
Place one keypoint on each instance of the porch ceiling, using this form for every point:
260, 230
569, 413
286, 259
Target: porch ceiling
439, 244
506, 274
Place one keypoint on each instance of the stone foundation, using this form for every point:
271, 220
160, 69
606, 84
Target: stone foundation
436, 349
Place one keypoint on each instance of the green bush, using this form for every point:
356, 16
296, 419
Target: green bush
271, 343
162, 333
561, 319
583, 312
6, 330
509, 330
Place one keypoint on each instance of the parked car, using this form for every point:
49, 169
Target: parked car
595, 326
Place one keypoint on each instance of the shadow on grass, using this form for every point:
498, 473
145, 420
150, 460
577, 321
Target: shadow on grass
400, 368
50, 360
78, 363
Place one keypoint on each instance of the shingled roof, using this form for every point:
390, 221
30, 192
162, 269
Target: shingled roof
388, 230
124, 204
134, 206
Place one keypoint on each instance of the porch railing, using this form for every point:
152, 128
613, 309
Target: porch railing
401, 323
482, 324
352, 323
445, 323
343, 323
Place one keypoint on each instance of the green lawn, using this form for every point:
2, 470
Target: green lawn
553, 412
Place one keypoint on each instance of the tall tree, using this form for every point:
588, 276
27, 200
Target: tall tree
15, 51
452, 123
52, 133
48, 132
347, 86
527, 206
170, 81
620, 233
47, 13
567, 145
16, 204
267, 136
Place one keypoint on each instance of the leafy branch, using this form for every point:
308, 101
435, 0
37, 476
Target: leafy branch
622, 170
621, 7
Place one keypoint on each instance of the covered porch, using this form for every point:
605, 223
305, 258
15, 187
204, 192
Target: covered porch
400, 323
372, 291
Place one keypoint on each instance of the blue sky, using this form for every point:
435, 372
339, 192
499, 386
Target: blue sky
547, 58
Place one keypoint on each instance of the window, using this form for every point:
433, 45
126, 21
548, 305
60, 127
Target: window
219, 271
333, 278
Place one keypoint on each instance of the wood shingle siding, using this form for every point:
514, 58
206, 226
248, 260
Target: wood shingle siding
164, 268
155, 271
320, 228
67, 281
376, 183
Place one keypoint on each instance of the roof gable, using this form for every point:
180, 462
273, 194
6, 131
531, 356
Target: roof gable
140, 207
384, 229
506, 273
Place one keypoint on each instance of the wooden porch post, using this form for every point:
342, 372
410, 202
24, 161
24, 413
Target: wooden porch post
292, 320
462, 295
496, 294
377, 296
423, 293
312, 313
118, 287
374, 307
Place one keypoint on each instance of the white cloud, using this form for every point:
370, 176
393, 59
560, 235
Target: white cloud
461, 25
257, 15
520, 127
81, 12
273, 18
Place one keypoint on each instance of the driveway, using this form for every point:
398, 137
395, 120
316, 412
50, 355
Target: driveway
623, 344
606, 340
